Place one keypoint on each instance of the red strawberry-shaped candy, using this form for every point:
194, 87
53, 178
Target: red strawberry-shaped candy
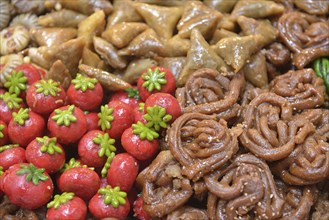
67, 123
129, 96
94, 148
109, 202
9, 103
25, 126
27, 186
11, 154
92, 120
85, 93
31, 72
166, 101
154, 80
140, 141
139, 212
115, 117
82, 181
46, 153
3, 133
66, 206
138, 113
44, 96
123, 171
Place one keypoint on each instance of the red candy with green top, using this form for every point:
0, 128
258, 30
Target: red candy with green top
3, 133
11, 154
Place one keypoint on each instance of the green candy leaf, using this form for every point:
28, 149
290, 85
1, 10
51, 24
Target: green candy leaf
21, 116
105, 143
144, 132
157, 117
1, 130
32, 173
133, 93
105, 117
321, 68
1, 170
84, 83
141, 106
64, 117
49, 145
153, 79
47, 87
107, 164
7, 147
11, 100
16, 82
60, 200
113, 196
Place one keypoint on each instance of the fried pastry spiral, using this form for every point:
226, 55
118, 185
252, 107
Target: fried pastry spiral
164, 189
269, 131
307, 164
208, 91
306, 35
302, 88
243, 190
201, 144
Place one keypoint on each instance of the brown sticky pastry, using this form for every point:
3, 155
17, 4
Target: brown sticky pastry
146, 44
164, 188
256, 71
201, 144
313, 7
236, 51
302, 88
257, 9
208, 91
161, 19
298, 200
61, 18
220, 34
269, 131
174, 64
200, 55
123, 11
52, 36
175, 47
306, 165
243, 190
305, 35
88, 6
109, 53
108, 80
92, 59
121, 34
188, 213
277, 54
250, 26
92, 26
58, 72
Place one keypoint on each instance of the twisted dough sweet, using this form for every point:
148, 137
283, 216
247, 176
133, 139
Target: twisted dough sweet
201, 144
164, 189
307, 164
243, 190
269, 131
188, 213
306, 35
302, 88
208, 91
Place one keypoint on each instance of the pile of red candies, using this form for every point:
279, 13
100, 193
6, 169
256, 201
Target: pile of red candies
82, 143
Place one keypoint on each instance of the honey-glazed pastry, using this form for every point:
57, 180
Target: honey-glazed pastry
176, 47
236, 51
220, 34
188, 213
305, 35
302, 88
14, 39
61, 18
27, 20
245, 189
58, 72
201, 144
92, 59
121, 34
52, 36
256, 9
135, 69
277, 54
161, 19
109, 53
164, 188
174, 64
88, 7
28, 6
209, 92
5, 14
221, 5
200, 55
313, 7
